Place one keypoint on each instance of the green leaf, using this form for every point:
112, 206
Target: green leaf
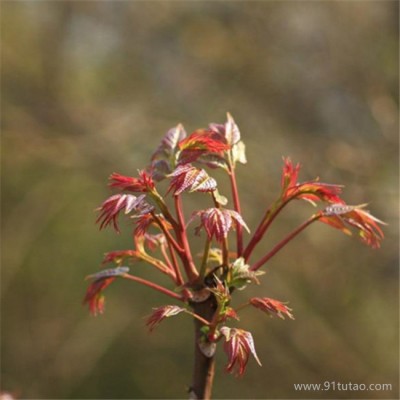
239, 153
241, 274
220, 199
213, 161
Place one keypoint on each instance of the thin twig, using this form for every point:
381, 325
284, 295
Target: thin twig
154, 286
187, 258
236, 204
283, 242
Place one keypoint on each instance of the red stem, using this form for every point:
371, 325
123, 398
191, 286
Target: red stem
283, 242
262, 227
187, 259
172, 244
153, 286
158, 264
164, 209
225, 249
167, 234
236, 203
175, 265
168, 262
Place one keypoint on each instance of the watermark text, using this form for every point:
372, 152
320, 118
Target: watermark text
341, 386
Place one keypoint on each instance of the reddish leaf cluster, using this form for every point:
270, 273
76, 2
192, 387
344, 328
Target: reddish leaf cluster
94, 295
191, 179
217, 222
110, 209
239, 344
160, 224
143, 223
142, 184
204, 141
339, 216
271, 307
118, 256
311, 191
229, 131
169, 142
161, 313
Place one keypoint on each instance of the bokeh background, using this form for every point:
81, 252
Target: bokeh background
90, 87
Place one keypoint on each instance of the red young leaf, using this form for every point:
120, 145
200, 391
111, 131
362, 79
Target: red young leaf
205, 140
161, 313
229, 130
238, 346
192, 179
289, 174
169, 143
107, 273
154, 241
341, 215
118, 256
271, 306
201, 142
144, 183
217, 222
231, 313
110, 209
311, 191
143, 223
159, 169
94, 295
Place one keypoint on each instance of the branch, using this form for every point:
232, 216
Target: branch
167, 234
224, 244
198, 317
154, 286
156, 263
236, 203
168, 262
186, 257
283, 242
164, 209
175, 265
269, 217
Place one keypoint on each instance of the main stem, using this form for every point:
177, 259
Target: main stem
204, 367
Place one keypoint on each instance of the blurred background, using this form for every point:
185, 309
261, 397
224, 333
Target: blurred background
89, 88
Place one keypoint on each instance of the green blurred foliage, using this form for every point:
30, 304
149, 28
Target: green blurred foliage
89, 88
